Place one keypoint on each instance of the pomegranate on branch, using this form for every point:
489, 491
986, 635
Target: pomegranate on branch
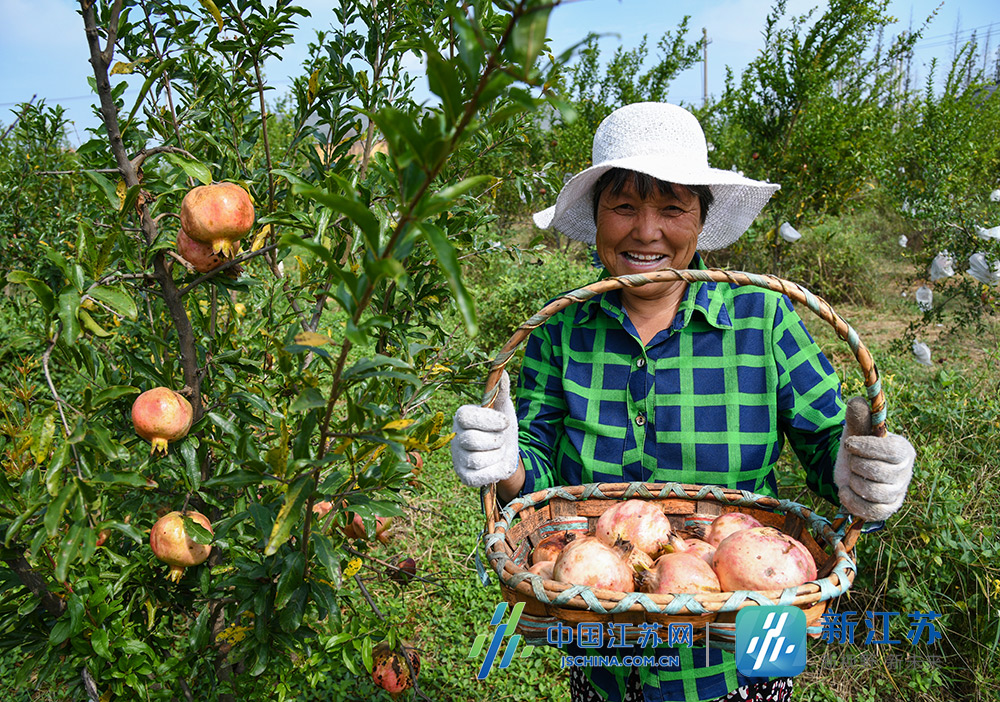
171, 544
218, 215
199, 255
389, 669
160, 416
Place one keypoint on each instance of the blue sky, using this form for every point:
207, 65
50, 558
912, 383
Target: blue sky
43, 50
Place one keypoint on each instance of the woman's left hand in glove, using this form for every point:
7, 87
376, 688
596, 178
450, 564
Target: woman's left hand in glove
872, 473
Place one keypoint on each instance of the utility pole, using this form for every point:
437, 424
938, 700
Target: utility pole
704, 60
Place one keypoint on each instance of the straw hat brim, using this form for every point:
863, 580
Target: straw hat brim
738, 200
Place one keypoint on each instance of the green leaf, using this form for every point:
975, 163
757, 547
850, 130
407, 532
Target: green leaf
355, 211
118, 300
528, 38
189, 457
289, 514
290, 579
54, 512
198, 636
223, 423
196, 169
42, 291
99, 640
129, 531
196, 532
442, 78
236, 479
329, 557
113, 392
91, 326
295, 241
116, 478
42, 442
68, 550
106, 185
307, 400
69, 305
448, 260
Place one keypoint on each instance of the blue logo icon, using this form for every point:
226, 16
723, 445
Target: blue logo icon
771, 641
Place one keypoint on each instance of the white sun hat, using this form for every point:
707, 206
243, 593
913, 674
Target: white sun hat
666, 142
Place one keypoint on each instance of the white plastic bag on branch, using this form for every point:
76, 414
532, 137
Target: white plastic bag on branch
991, 233
788, 233
942, 266
982, 270
995, 195
925, 298
903, 240
922, 352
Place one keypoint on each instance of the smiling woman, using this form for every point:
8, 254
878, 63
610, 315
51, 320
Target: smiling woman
699, 383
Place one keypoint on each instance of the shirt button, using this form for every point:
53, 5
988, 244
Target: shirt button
640, 420
641, 362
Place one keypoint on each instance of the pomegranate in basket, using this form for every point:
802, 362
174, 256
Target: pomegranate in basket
639, 522
587, 560
762, 558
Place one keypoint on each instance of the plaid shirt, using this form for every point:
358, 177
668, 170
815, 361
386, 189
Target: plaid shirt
710, 400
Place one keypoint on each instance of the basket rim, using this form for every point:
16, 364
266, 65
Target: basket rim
571, 596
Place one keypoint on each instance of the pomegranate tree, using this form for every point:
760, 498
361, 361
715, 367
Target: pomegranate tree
172, 545
639, 522
217, 215
762, 558
160, 416
389, 669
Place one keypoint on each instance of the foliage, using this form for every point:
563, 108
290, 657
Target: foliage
810, 112
309, 365
945, 162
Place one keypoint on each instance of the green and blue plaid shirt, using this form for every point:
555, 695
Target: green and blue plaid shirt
710, 400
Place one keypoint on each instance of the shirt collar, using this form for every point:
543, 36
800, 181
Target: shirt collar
700, 297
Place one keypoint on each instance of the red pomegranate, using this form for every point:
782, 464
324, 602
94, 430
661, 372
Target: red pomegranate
762, 558
680, 572
696, 547
639, 522
587, 560
160, 416
217, 215
389, 669
727, 524
171, 544
356, 529
198, 254
549, 548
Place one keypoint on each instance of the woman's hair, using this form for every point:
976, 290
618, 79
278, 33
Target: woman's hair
615, 180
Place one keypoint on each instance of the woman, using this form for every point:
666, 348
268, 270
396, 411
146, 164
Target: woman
694, 383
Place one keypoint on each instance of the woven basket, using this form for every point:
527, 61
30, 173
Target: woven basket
511, 531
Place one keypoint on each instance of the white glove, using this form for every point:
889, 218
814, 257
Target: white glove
872, 472
484, 449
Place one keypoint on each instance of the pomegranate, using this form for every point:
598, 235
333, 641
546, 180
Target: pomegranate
762, 558
696, 547
637, 521
217, 215
404, 571
680, 572
389, 669
543, 568
356, 529
322, 508
170, 542
638, 560
198, 254
587, 560
727, 524
549, 548
161, 415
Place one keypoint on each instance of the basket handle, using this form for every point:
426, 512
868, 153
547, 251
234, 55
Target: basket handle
793, 290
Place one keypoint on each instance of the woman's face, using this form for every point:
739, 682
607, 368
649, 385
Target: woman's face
636, 235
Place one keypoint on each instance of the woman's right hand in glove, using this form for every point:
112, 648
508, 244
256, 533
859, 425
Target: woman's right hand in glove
484, 449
